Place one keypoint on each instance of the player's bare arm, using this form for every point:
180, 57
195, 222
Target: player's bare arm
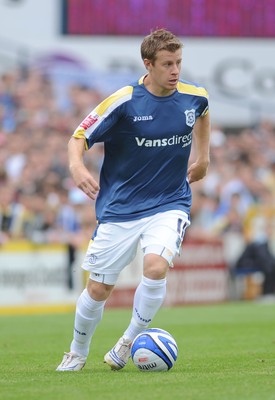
198, 169
81, 176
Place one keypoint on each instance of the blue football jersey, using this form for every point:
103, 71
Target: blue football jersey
147, 142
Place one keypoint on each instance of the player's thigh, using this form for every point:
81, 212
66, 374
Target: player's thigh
113, 247
164, 233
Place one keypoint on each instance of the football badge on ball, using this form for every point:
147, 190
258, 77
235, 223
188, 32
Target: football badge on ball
154, 350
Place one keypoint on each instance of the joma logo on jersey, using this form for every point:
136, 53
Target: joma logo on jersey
89, 121
143, 118
184, 140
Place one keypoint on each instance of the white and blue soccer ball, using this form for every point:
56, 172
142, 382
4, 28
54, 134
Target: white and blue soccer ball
154, 350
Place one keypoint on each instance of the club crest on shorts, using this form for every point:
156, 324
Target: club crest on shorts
92, 259
190, 117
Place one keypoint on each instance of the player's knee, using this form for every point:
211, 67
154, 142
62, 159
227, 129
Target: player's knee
155, 266
99, 291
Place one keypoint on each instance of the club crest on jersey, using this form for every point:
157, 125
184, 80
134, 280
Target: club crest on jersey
190, 117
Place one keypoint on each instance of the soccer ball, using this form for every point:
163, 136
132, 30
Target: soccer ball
154, 350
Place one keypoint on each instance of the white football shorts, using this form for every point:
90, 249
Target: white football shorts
114, 245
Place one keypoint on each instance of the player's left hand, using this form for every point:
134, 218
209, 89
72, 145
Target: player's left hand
197, 171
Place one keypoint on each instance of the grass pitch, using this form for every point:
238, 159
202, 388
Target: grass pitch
226, 352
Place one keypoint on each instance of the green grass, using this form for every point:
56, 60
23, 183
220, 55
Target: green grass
225, 352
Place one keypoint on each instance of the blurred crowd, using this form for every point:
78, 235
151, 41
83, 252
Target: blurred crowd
39, 202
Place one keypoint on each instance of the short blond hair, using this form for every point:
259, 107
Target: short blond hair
160, 39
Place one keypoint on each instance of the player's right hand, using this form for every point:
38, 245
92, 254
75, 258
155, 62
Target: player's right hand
84, 181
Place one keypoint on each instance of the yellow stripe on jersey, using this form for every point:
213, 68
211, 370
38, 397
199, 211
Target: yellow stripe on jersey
188, 88
205, 111
79, 133
140, 81
91, 122
114, 100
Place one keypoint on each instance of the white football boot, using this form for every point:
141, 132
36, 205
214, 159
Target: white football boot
72, 362
119, 355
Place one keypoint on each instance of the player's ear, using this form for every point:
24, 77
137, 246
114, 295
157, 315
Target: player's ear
147, 63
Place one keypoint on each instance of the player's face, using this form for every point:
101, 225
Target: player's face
165, 72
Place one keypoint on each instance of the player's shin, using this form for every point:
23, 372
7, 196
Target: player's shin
148, 298
88, 314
